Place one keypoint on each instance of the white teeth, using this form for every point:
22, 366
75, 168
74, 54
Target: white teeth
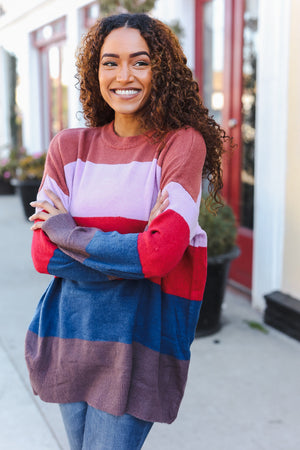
126, 91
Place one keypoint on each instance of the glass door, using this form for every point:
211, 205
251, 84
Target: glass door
226, 49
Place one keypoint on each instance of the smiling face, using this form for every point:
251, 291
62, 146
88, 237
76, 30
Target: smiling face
125, 72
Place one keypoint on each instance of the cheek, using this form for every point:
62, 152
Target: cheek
148, 82
102, 86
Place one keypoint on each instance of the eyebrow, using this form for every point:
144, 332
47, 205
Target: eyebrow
132, 55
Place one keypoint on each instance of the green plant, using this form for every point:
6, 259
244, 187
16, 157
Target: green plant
8, 165
108, 7
220, 227
19, 165
31, 167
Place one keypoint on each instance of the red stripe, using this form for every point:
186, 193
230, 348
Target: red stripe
42, 250
163, 245
188, 278
119, 224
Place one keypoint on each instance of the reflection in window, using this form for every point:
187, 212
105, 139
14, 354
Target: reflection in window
213, 51
58, 90
91, 13
248, 112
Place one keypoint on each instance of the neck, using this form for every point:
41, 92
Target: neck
127, 125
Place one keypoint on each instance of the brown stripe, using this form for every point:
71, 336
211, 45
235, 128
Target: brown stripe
111, 376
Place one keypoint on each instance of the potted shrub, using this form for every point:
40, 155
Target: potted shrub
8, 167
221, 230
29, 174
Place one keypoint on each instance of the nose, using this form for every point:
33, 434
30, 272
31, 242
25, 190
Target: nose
124, 74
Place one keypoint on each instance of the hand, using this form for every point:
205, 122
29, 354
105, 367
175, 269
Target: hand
161, 204
48, 210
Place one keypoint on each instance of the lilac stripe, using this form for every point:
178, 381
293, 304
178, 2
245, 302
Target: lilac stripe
200, 238
51, 184
183, 204
122, 190
114, 377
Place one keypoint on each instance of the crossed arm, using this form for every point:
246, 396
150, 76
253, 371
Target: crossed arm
48, 210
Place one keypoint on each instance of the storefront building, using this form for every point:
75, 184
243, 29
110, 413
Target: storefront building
245, 56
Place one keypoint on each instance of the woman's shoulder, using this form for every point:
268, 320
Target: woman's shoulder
187, 135
186, 140
72, 143
75, 134
75, 140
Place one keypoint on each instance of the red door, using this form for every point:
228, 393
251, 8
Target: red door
226, 70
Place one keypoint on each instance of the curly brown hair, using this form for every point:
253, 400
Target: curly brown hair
174, 100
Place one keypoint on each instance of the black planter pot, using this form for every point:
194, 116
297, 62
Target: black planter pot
217, 276
6, 188
28, 190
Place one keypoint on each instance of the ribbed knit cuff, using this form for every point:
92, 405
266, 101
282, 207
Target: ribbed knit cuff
58, 228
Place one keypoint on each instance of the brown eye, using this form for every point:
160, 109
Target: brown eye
109, 64
141, 63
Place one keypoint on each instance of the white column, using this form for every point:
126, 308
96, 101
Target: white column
5, 139
270, 151
33, 126
73, 40
184, 12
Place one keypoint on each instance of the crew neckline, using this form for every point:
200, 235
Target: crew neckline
123, 142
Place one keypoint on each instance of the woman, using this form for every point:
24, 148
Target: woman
110, 340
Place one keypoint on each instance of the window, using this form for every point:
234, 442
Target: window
90, 15
50, 43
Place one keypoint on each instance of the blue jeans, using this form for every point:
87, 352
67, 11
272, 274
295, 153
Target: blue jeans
90, 429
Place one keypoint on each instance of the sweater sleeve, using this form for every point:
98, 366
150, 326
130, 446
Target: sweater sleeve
156, 251
47, 257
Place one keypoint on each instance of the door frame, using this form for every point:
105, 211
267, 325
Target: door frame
241, 269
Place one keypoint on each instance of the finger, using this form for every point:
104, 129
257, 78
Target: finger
159, 210
41, 215
162, 201
164, 196
44, 205
56, 200
162, 207
159, 201
165, 204
36, 226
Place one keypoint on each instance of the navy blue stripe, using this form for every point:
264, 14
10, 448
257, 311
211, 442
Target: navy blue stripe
62, 265
127, 311
115, 254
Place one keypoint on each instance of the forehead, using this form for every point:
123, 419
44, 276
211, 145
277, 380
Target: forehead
124, 40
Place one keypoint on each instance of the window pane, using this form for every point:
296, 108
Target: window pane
58, 89
54, 72
213, 64
248, 112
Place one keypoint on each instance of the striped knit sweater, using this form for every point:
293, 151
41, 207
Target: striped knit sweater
115, 325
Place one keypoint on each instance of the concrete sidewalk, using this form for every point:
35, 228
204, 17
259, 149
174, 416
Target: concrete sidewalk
243, 391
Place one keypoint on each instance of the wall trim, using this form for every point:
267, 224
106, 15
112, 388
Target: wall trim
270, 151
